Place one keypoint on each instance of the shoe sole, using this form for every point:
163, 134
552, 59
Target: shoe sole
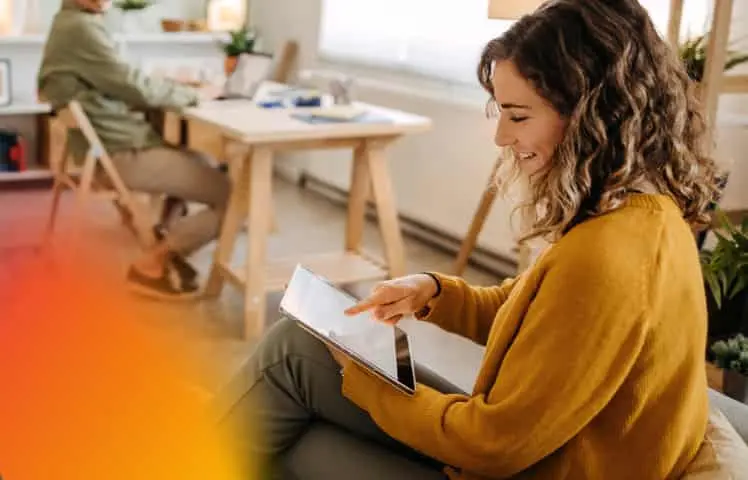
153, 294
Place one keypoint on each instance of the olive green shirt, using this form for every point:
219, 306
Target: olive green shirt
81, 62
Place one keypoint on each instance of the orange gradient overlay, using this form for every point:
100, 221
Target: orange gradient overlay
90, 391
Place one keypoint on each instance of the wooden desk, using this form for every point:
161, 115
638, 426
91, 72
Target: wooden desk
262, 132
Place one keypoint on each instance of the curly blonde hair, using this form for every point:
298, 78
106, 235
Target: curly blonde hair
633, 115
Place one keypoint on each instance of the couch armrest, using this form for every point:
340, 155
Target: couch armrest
736, 412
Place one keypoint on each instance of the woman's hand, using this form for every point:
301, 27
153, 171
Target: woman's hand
391, 300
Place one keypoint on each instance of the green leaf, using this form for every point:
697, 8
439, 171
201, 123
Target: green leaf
734, 60
714, 287
737, 287
723, 281
721, 238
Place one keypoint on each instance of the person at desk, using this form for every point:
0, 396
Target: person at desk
81, 63
594, 357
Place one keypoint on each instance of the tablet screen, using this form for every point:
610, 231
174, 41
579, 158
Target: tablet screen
319, 305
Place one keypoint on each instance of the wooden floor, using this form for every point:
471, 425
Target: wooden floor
307, 223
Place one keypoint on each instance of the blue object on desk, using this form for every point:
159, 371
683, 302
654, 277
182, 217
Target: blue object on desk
273, 104
307, 101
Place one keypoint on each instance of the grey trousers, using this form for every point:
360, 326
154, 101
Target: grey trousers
295, 398
180, 173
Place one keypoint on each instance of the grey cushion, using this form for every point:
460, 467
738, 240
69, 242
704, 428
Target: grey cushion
736, 412
326, 452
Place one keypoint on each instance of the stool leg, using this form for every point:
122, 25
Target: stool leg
479, 219
59, 170
82, 196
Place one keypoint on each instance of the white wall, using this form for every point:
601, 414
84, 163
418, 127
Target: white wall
185, 9
439, 176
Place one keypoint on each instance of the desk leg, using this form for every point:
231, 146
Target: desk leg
386, 210
232, 222
360, 187
260, 197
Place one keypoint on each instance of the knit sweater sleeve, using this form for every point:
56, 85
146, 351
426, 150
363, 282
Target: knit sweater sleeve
96, 60
467, 310
579, 339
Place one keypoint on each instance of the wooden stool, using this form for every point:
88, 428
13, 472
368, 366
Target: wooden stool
83, 183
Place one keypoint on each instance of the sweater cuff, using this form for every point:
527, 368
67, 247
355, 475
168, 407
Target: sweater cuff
193, 98
449, 297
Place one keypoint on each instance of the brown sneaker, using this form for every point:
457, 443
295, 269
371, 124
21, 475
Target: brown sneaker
186, 271
169, 286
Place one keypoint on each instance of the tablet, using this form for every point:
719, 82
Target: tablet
318, 306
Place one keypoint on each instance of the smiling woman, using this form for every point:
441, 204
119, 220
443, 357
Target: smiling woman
592, 132
579, 378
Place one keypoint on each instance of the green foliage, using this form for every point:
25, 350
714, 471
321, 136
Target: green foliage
725, 268
129, 5
732, 354
693, 55
241, 41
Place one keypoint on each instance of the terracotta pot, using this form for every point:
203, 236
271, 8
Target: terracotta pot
229, 65
735, 385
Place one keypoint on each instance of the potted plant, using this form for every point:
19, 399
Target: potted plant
693, 54
240, 41
725, 270
132, 11
731, 356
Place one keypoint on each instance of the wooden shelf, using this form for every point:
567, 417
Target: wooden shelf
28, 175
734, 84
171, 37
24, 39
25, 108
130, 38
340, 268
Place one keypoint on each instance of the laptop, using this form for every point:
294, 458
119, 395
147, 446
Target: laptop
251, 70
318, 307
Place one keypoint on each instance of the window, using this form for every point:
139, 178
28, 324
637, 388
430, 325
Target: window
437, 38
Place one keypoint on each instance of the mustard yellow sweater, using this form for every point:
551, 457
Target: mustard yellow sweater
594, 362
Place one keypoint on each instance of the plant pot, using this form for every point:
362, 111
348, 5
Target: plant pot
729, 320
735, 385
131, 21
229, 65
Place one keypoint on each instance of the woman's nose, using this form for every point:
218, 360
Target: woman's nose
504, 136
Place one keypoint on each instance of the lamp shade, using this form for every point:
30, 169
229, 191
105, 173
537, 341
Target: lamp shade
226, 15
6, 17
511, 9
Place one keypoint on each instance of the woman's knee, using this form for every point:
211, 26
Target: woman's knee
287, 339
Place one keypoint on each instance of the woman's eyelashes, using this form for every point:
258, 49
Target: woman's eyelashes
518, 119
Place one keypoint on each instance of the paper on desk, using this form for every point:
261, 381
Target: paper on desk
336, 112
